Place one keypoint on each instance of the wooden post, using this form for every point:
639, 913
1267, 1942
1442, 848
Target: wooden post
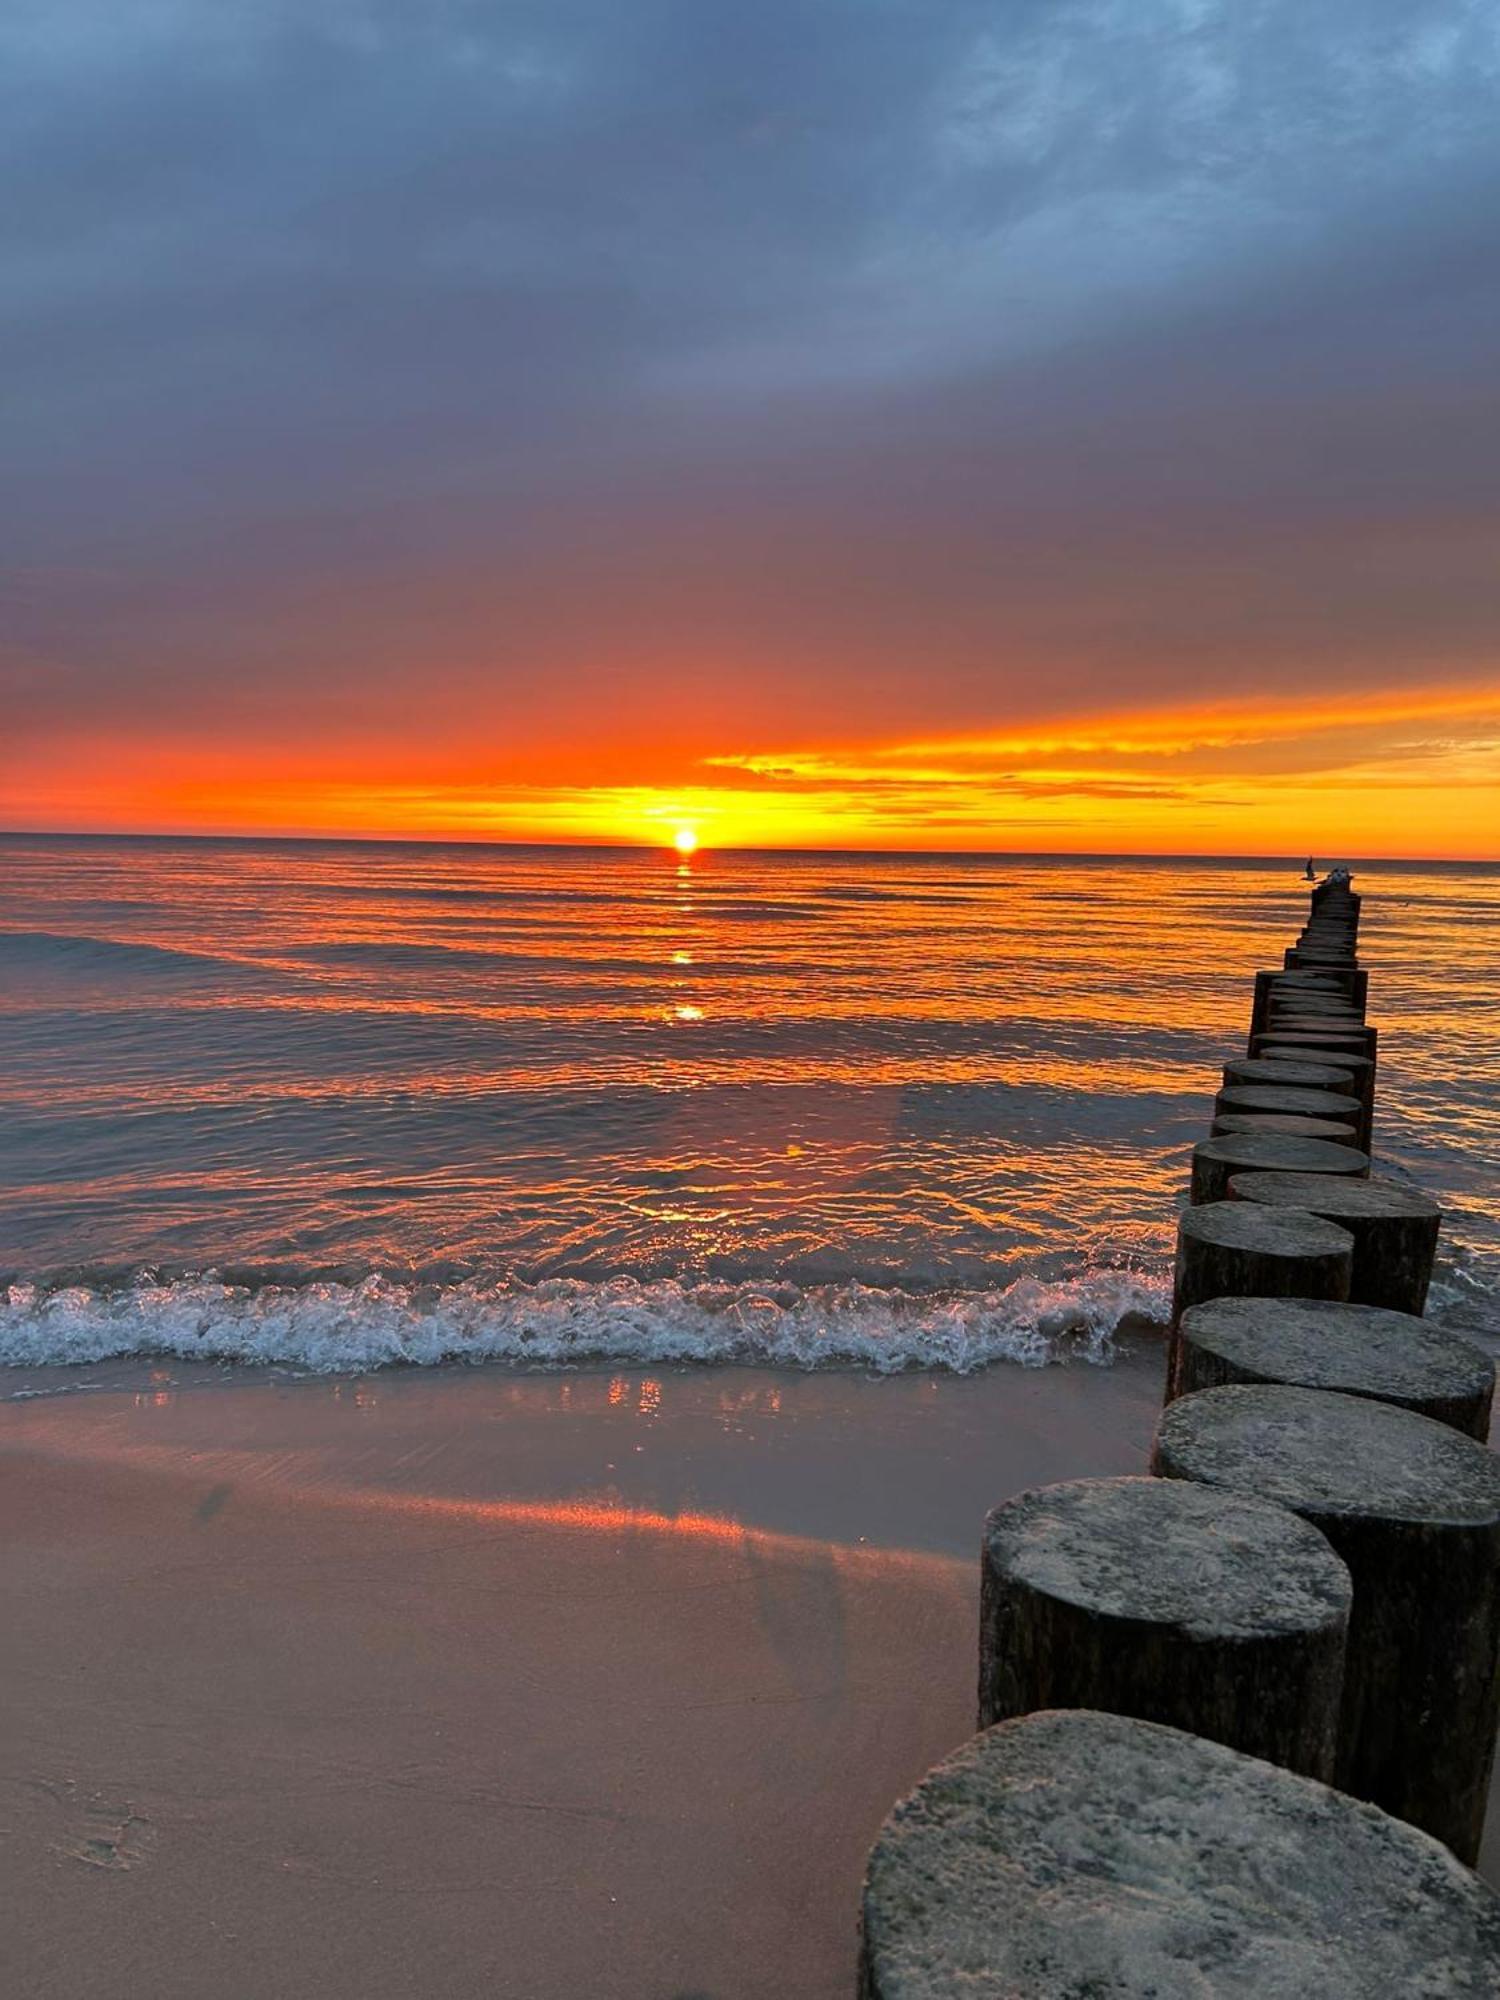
1355, 1037
1359, 1039
1289, 1125
1324, 1344
1289, 1100
1284, 1006
1360, 1069
1228, 1249
1169, 1601
1349, 1032
1217, 1161
1273, 988
1250, 1070
1413, 1507
1395, 1228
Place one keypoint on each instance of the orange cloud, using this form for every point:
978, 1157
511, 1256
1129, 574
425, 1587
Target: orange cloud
1226, 778
1172, 733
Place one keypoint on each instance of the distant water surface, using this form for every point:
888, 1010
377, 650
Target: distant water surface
339, 1103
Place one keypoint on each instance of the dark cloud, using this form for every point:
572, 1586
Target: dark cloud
620, 366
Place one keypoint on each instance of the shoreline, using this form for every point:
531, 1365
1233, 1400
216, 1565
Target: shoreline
590, 1426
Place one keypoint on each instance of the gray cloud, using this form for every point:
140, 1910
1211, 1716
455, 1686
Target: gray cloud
411, 353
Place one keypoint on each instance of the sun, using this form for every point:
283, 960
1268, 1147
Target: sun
685, 840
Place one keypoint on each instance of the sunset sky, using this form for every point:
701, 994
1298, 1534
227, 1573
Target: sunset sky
818, 422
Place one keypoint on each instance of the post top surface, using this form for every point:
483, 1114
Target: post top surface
1275, 1232
1213, 1564
1289, 1097
1334, 1195
1327, 1344
1330, 1456
1296, 1050
1075, 1852
1271, 1071
1272, 1150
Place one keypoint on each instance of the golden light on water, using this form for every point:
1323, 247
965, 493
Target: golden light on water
685, 840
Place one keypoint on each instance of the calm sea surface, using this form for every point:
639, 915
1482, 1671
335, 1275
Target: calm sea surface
335, 1104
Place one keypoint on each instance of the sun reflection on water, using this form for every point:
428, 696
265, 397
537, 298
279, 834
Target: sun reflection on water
312, 1061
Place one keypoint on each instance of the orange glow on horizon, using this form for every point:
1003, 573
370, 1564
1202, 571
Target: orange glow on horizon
1406, 772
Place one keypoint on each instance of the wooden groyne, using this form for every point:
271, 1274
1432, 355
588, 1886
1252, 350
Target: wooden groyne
1307, 1590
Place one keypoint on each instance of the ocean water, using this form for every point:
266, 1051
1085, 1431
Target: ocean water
339, 1104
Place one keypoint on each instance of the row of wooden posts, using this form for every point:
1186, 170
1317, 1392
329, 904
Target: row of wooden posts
1237, 1716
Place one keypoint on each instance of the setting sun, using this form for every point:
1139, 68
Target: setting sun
685, 840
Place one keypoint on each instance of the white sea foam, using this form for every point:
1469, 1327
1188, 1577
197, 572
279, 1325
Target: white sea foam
328, 1327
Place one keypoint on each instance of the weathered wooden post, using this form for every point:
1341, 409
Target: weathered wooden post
1345, 1029
1358, 1039
1331, 1010
1217, 1161
1341, 979
1251, 1072
1413, 1507
1289, 1125
1244, 1249
1075, 1853
1352, 980
1173, 1602
1311, 1046
1318, 985
1328, 1344
1273, 988
1286, 1100
1395, 1228
1360, 1069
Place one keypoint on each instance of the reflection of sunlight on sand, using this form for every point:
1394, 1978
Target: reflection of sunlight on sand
160, 1395
291, 1478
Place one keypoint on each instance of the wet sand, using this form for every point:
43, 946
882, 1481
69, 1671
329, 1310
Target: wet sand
472, 1682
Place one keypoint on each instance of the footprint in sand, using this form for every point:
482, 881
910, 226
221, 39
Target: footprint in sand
104, 1833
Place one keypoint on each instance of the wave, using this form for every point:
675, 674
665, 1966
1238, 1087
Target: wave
1465, 1289
328, 1327
74, 951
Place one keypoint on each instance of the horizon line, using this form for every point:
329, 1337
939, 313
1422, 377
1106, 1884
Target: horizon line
269, 839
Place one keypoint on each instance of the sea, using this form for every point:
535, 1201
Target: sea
334, 1106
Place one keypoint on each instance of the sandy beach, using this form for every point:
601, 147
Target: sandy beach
450, 1682
458, 1682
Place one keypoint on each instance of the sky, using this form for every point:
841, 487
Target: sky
1060, 425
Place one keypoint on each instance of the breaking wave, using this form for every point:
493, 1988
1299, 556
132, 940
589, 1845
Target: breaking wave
328, 1327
